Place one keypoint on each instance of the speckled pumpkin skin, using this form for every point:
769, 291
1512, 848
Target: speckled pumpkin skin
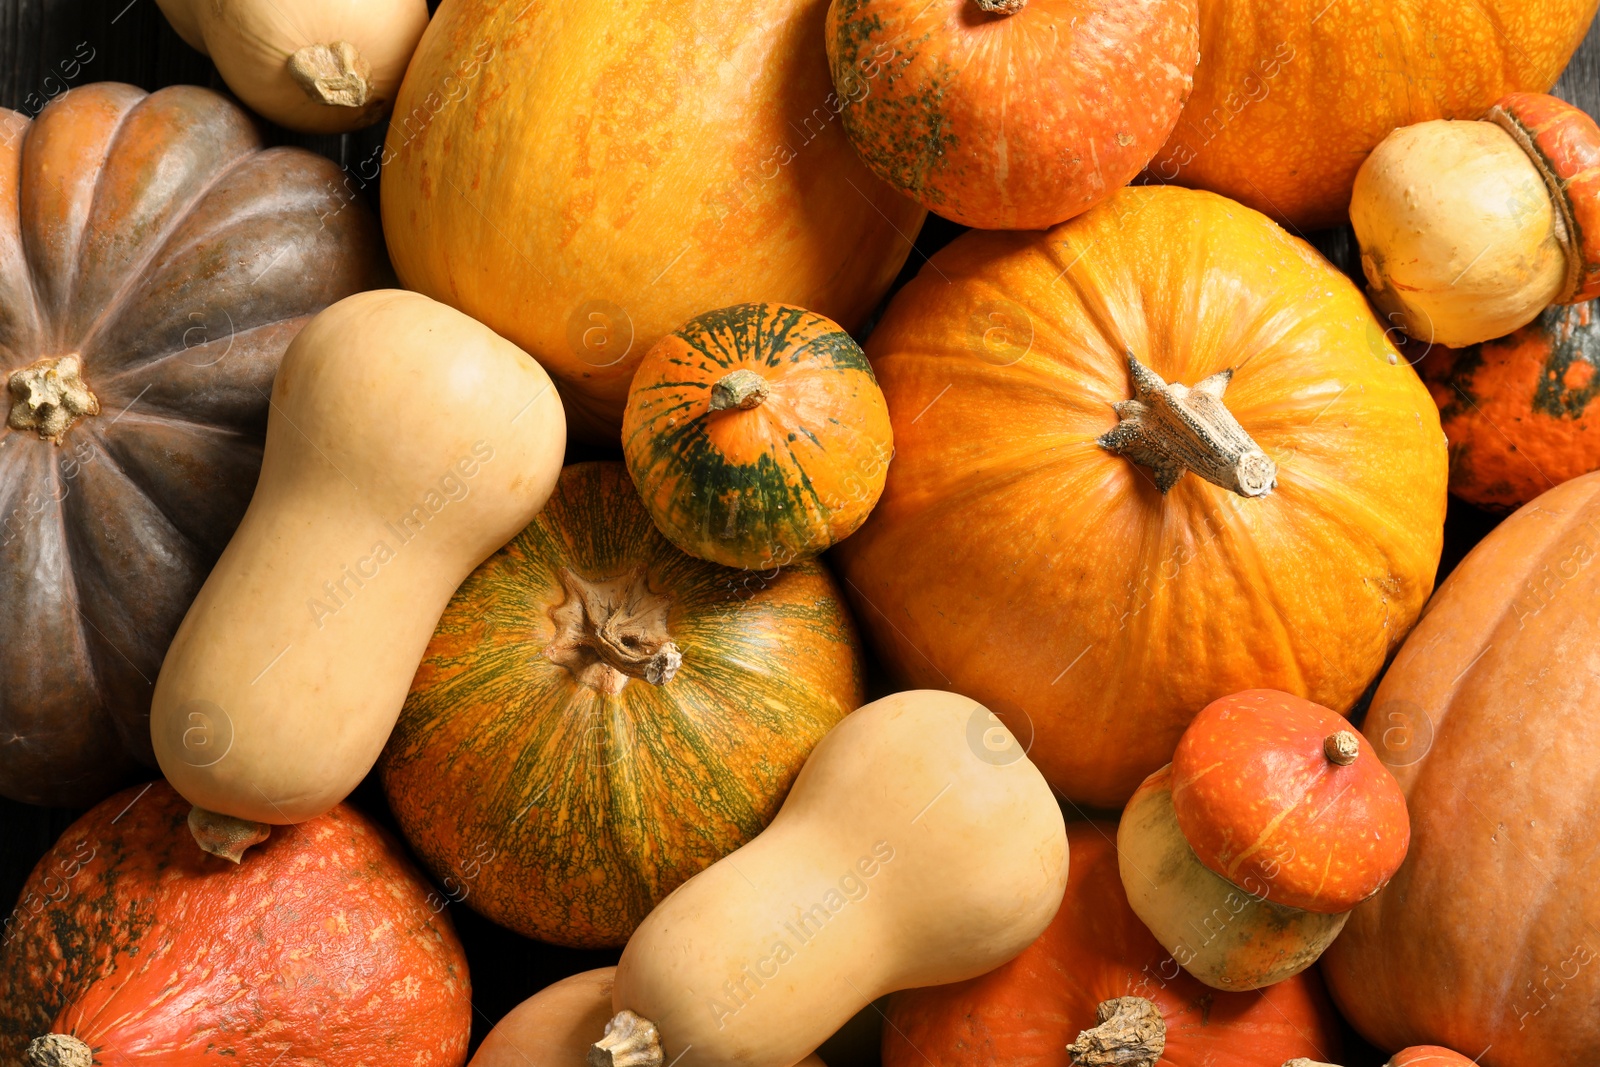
564, 812
774, 484
1017, 121
324, 948
1291, 95
1520, 410
1263, 806
154, 236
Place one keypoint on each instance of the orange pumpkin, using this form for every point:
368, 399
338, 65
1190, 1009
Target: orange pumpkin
1010, 114
1096, 600
1488, 938
1043, 1006
1291, 95
757, 435
324, 946
585, 179
1519, 411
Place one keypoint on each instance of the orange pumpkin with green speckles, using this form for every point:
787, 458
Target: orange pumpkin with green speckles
757, 435
599, 716
1291, 95
1010, 114
1519, 411
324, 947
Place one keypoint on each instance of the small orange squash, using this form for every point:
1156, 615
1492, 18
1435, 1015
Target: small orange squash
1519, 411
757, 435
599, 717
1037, 549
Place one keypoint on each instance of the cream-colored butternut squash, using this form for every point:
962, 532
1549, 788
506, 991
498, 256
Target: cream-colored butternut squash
318, 66
553, 1028
918, 846
406, 442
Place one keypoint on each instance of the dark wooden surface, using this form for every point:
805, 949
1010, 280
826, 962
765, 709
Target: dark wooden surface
47, 46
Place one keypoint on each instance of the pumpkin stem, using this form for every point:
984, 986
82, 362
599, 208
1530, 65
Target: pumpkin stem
1131, 1033
611, 630
49, 396
59, 1050
1174, 428
335, 74
224, 835
742, 389
629, 1041
1341, 748
1001, 7
1301, 1061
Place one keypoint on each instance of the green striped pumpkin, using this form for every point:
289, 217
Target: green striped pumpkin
599, 716
757, 435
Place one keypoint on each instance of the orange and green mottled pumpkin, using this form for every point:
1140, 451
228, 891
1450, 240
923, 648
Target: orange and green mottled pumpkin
1520, 411
757, 435
599, 716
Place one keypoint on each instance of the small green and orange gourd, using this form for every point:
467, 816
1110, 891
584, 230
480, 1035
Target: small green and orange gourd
757, 435
599, 716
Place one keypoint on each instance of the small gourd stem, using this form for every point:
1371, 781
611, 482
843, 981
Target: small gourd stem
1566, 223
48, 396
629, 1041
608, 631
224, 835
741, 389
1301, 1061
1172, 428
1131, 1033
59, 1050
335, 74
1341, 748
1001, 7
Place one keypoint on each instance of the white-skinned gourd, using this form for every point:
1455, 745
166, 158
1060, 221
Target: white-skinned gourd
918, 846
318, 66
406, 442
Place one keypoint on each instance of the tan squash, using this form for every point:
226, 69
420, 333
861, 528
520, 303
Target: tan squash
918, 846
406, 443
317, 66
554, 1027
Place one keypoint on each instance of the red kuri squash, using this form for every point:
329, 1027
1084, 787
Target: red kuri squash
584, 179
1040, 1010
1096, 600
155, 262
1291, 95
1486, 939
599, 716
321, 949
1010, 114
757, 435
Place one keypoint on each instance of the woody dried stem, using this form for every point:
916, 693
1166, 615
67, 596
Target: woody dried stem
1131, 1033
335, 74
611, 630
224, 835
629, 1041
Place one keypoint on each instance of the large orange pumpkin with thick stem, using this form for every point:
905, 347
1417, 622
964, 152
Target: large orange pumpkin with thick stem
1291, 95
585, 178
1520, 410
1016, 558
1097, 952
1487, 719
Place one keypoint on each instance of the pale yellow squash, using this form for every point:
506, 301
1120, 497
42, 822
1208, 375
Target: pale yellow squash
918, 846
406, 442
554, 1027
318, 66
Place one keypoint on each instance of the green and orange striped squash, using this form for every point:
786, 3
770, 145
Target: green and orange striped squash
757, 435
599, 716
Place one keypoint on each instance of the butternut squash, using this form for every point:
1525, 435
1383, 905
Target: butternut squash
553, 1027
317, 66
918, 846
406, 442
